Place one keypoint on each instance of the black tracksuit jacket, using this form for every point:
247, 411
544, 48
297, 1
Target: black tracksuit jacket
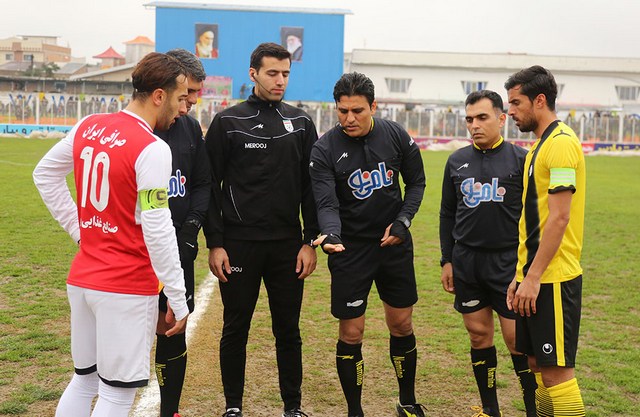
356, 183
259, 153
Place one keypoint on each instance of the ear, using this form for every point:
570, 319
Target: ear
158, 96
503, 119
540, 101
374, 106
252, 74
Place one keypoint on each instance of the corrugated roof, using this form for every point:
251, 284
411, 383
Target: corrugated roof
71, 68
493, 61
246, 8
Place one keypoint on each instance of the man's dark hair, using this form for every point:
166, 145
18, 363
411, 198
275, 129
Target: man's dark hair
269, 49
496, 100
533, 81
190, 62
155, 70
354, 84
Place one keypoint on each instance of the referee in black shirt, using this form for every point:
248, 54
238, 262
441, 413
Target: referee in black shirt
355, 169
479, 213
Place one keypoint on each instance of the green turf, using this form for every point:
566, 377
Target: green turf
35, 254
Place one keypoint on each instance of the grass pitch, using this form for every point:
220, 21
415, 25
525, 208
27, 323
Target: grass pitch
35, 363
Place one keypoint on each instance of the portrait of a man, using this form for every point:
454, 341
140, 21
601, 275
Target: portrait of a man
206, 40
291, 38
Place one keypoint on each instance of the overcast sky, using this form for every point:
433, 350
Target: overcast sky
540, 27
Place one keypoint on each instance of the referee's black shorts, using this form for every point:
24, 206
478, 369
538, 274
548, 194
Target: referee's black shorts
481, 278
364, 262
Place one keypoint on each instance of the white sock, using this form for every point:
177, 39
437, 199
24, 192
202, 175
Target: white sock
113, 401
78, 396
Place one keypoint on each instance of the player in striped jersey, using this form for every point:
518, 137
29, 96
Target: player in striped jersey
546, 292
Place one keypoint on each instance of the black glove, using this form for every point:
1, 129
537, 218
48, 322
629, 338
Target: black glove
331, 239
398, 229
188, 241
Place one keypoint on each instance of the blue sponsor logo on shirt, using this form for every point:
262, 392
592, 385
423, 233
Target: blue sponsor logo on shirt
475, 193
364, 183
176, 185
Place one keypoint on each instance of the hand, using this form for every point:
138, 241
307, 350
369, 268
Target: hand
177, 327
388, 239
511, 292
306, 261
219, 263
524, 301
188, 242
447, 278
328, 247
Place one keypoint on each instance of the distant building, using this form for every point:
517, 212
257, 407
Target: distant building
110, 58
138, 48
445, 79
224, 35
25, 48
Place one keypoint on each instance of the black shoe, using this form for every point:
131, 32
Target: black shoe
412, 410
295, 412
233, 412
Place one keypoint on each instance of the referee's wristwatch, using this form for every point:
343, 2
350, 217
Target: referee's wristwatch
310, 243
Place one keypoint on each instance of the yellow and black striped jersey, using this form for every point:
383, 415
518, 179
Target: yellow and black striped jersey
555, 163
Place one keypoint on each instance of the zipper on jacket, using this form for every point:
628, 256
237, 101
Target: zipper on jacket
234, 204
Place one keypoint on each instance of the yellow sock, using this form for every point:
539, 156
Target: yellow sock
544, 405
567, 400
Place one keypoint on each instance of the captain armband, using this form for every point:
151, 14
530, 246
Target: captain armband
153, 199
562, 179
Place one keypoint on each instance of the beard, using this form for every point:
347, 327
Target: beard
165, 118
528, 125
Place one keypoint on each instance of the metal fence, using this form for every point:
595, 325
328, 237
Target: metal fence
450, 123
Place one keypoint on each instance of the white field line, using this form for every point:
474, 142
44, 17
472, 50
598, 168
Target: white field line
148, 404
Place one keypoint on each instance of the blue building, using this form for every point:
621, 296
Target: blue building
225, 35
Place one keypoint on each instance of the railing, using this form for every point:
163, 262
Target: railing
432, 123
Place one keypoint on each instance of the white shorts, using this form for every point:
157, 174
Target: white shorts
113, 334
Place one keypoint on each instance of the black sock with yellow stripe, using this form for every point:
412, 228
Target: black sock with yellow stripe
404, 356
484, 362
350, 366
527, 382
567, 399
171, 366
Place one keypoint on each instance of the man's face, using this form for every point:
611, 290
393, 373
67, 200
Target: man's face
272, 78
484, 123
193, 88
354, 115
207, 38
173, 105
521, 110
293, 43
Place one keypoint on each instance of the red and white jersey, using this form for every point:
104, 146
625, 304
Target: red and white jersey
123, 249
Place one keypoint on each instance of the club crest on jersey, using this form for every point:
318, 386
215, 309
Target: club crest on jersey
475, 193
364, 183
176, 185
288, 125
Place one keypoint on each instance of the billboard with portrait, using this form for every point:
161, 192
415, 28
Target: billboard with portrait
292, 39
206, 40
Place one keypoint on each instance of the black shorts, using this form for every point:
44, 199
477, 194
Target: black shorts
187, 267
551, 335
481, 279
363, 262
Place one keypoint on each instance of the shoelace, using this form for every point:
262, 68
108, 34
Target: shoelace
479, 411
